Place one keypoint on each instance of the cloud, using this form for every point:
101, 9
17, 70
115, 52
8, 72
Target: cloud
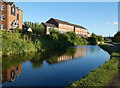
113, 23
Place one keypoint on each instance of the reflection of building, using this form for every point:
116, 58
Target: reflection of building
10, 16
78, 53
64, 26
11, 73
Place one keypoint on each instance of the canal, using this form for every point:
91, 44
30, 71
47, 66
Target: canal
52, 68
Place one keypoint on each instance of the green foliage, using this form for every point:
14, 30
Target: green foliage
39, 30
54, 36
16, 30
13, 44
64, 37
53, 30
110, 49
69, 38
72, 35
100, 38
117, 37
38, 44
93, 39
108, 39
17, 43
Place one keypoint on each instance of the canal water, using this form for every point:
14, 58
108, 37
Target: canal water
52, 68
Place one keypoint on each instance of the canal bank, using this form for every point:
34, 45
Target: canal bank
106, 74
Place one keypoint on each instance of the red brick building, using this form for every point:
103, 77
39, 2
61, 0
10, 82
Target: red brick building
64, 26
10, 16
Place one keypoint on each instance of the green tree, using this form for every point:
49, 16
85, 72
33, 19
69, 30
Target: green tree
26, 24
64, 37
117, 37
72, 35
100, 38
39, 30
92, 40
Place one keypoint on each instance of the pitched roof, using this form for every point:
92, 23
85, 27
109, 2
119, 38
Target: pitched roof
49, 25
64, 22
10, 3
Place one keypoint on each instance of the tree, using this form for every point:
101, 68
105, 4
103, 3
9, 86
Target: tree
64, 37
92, 40
93, 35
100, 38
26, 24
72, 35
53, 30
117, 37
39, 30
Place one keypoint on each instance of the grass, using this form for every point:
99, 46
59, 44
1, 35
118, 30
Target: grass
110, 49
103, 75
100, 76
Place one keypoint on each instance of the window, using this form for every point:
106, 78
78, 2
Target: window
17, 16
2, 26
13, 10
2, 7
2, 17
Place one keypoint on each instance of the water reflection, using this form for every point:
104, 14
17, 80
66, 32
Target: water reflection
53, 68
70, 54
12, 66
11, 73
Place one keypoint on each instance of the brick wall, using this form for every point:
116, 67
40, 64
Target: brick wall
9, 18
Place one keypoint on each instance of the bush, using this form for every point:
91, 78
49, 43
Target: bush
64, 37
13, 44
117, 37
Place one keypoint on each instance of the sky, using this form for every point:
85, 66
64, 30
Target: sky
100, 18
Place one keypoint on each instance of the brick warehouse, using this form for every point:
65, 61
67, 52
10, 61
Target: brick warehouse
10, 16
64, 26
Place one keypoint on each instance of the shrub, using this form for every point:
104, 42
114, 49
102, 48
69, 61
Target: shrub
117, 37
13, 44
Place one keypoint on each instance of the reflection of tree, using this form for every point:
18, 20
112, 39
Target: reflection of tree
71, 51
37, 61
15, 60
94, 49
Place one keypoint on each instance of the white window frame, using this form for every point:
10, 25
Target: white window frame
2, 17
3, 7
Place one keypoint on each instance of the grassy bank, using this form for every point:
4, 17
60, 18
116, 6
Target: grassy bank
103, 75
111, 49
19, 43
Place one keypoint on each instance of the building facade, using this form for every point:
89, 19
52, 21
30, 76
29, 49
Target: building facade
10, 16
64, 27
